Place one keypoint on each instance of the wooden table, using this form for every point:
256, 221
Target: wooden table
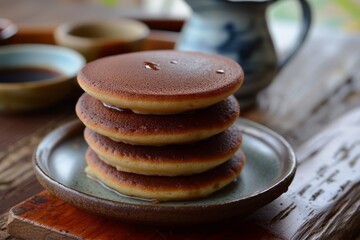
313, 103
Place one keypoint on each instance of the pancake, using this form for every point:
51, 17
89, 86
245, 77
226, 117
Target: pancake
138, 129
165, 188
169, 160
161, 82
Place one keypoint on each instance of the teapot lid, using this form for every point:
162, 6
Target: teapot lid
7, 28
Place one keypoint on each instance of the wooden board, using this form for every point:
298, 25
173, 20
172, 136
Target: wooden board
322, 203
44, 215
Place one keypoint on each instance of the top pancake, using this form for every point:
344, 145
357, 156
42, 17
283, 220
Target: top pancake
161, 82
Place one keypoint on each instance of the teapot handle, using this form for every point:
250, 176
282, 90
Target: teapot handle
305, 27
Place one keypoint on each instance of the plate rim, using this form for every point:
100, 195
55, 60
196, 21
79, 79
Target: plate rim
60, 190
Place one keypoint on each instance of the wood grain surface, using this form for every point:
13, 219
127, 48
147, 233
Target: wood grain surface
313, 103
16, 175
321, 203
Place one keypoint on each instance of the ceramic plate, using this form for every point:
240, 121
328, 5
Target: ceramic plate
59, 164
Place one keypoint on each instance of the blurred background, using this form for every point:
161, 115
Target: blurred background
332, 44
329, 15
333, 14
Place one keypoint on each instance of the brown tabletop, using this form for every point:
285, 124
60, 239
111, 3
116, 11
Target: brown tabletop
313, 103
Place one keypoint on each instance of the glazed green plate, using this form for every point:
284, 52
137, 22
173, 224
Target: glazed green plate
59, 164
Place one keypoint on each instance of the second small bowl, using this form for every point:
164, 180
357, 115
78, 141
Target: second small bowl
102, 38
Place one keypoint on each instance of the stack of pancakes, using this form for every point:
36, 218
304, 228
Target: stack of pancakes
159, 124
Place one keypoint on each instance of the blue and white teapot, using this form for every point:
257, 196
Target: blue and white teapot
239, 30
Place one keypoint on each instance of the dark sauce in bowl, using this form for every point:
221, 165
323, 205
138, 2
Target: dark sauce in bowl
27, 74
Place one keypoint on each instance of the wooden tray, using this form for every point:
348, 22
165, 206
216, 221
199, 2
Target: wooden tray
45, 217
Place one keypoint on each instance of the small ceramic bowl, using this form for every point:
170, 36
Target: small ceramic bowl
102, 38
21, 86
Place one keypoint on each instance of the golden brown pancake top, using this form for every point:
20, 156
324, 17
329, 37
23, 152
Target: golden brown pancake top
164, 74
93, 111
225, 143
